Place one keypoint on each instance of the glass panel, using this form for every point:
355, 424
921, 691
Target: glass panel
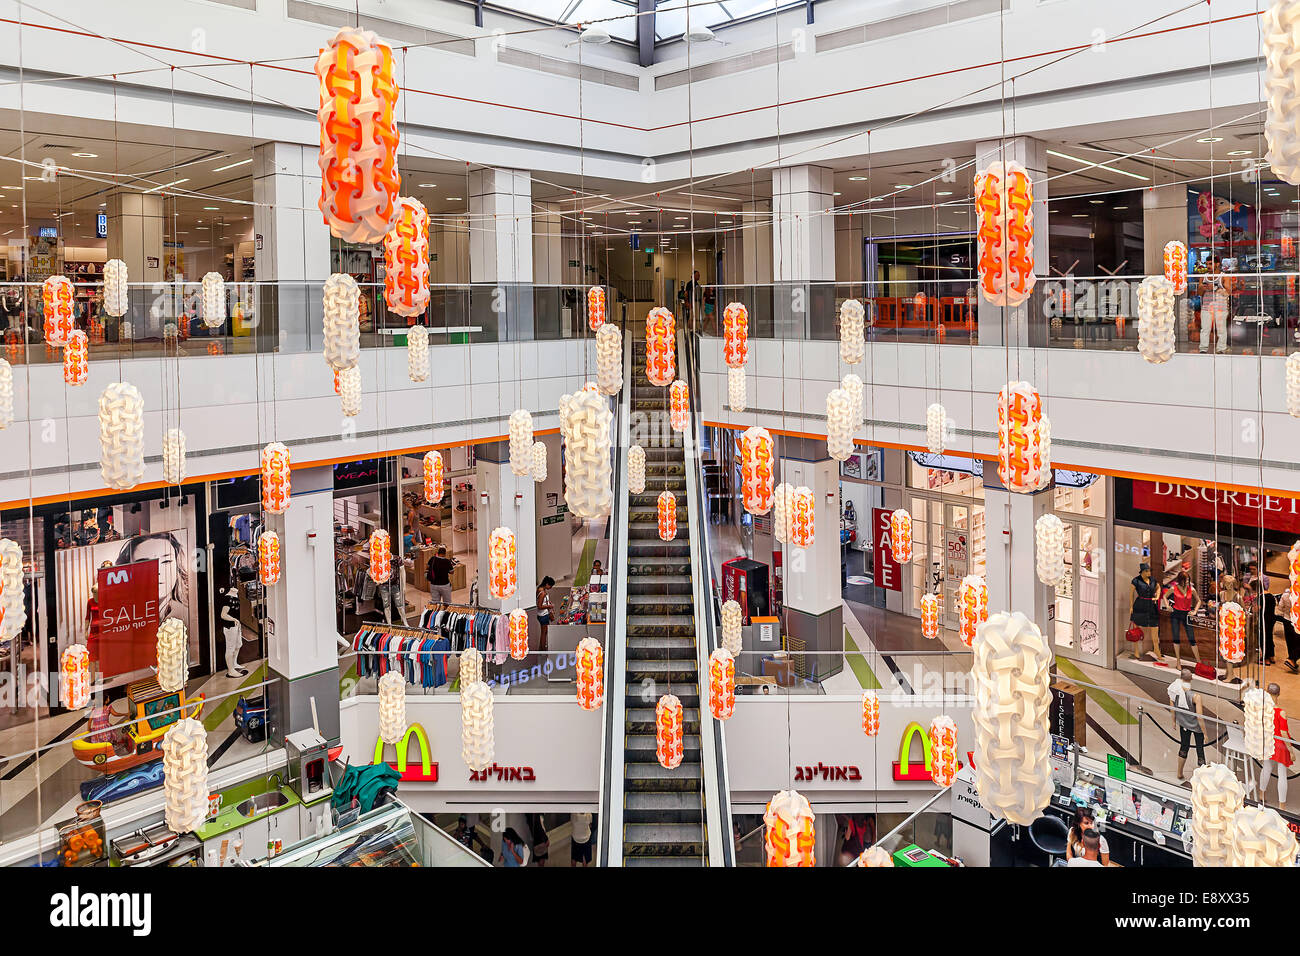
920, 551
1064, 596
1089, 562
1082, 501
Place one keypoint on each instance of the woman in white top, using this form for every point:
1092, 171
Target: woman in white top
1214, 306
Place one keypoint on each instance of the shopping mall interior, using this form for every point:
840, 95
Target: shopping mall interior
744, 433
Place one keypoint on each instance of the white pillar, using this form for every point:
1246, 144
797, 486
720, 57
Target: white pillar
1164, 217
1010, 566
803, 233
506, 499
501, 248
756, 243
135, 234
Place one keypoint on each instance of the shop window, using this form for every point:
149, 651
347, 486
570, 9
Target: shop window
1088, 500
958, 483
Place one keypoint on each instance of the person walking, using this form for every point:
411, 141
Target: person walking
1145, 613
544, 608
1188, 711
438, 572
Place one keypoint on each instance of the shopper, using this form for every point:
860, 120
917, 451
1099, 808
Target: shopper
541, 839
1182, 600
1085, 822
1268, 618
1145, 614
1090, 850
1281, 760
1188, 711
1284, 610
1214, 306
580, 840
544, 608
513, 852
439, 574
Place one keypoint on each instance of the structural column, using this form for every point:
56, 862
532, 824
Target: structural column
135, 235
505, 500
1010, 562
1021, 325
501, 250
811, 576
803, 246
301, 647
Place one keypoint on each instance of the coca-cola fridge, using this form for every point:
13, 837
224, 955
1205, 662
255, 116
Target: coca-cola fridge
746, 582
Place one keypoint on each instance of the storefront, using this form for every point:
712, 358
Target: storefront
365, 501
1079, 624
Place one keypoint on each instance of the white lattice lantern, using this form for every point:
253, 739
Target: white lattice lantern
737, 396
781, 511
121, 436
350, 391
1156, 319
185, 775
1260, 837
1257, 728
936, 417
1049, 549
213, 301
857, 399
115, 294
636, 470
852, 342
392, 707
1217, 795
173, 644
521, 441
839, 425
6, 394
587, 488
477, 736
1292, 386
1281, 31
539, 461
173, 456
1011, 673
341, 301
417, 353
731, 618
609, 359
11, 590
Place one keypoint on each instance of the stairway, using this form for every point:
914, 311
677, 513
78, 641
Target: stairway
663, 810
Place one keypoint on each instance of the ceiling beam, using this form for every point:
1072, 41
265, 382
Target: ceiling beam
645, 32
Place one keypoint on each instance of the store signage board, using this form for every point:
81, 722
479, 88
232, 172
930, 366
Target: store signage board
128, 630
1116, 767
888, 575
906, 768
1202, 510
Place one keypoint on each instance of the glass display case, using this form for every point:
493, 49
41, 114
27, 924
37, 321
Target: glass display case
391, 835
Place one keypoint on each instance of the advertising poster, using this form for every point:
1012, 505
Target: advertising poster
887, 572
128, 619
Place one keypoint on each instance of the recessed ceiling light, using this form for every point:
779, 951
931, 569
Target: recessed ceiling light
724, 222
428, 185
222, 169
944, 192
86, 155
31, 179
636, 222
1238, 152
212, 208
1119, 208
680, 226
900, 185
857, 179
839, 194
1210, 139
1080, 215
11, 187
454, 198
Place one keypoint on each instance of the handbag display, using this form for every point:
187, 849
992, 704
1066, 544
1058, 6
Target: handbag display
1206, 671
1134, 634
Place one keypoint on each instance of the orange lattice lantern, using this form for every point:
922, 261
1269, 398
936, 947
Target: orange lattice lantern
276, 480
900, 535
667, 515
668, 732
75, 358
433, 480
502, 558
1232, 632
13, 345
660, 347
406, 260
802, 512
930, 615
679, 414
381, 562
870, 713
1004, 207
96, 327
215, 347
268, 558
518, 624
589, 672
722, 684
790, 835
74, 676
735, 335
596, 307
1288, 247
972, 607
1293, 563
1020, 437
757, 470
1175, 258
943, 750
358, 136
56, 298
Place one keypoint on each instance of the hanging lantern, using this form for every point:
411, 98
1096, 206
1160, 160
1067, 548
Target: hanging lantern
870, 713
185, 775
417, 353
216, 348
609, 360
943, 751
790, 834
521, 441
667, 516
930, 615
1049, 548
596, 308
1044, 454
471, 667
589, 670
57, 299
1232, 632
212, 304
518, 628
679, 414
935, 418
839, 424
781, 511
801, 516
1293, 384
1257, 729
477, 735
875, 857
1293, 575
350, 391
172, 645
756, 470
1004, 207
1156, 320
13, 611
341, 303
587, 489
668, 732
392, 707
268, 558
1261, 837
1011, 672
722, 684
539, 462
502, 558
1281, 33
1020, 438
852, 341
121, 436
276, 479
731, 618
857, 399
735, 335
75, 358
115, 294
1175, 259
433, 489
337, 387
972, 607
358, 136
406, 260
74, 676
381, 562
636, 470
736, 389
660, 347
900, 535
1217, 795
173, 456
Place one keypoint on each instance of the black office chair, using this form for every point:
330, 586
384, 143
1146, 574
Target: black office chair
1050, 834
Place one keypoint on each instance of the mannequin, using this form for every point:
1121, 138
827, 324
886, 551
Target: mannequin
233, 631
1281, 760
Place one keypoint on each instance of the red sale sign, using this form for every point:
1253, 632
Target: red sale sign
128, 605
887, 571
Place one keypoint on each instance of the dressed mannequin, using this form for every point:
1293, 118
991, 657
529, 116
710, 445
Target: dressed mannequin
233, 631
1281, 760
1145, 613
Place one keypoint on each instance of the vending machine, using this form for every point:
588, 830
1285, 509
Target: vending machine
746, 582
